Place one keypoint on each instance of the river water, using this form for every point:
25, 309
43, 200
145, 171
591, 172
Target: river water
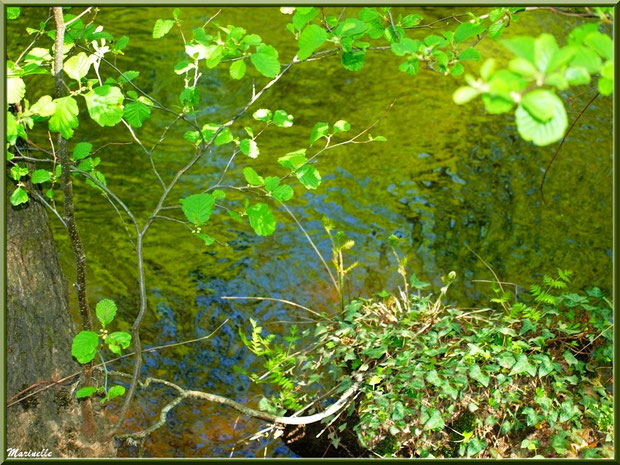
448, 178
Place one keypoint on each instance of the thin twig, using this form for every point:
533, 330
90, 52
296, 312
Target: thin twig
288, 302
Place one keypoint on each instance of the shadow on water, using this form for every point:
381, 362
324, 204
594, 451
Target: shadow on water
449, 177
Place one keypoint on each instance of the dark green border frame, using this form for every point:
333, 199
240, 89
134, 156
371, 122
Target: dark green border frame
250, 3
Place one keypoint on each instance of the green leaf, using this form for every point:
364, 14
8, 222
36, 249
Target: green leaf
539, 103
11, 130
283, 193
64, 119
77, 66
44, 106
224, 137
40, 176
522, 47
118, 340
416, 283
353, 61
249, 147
560, 58
587, 58
105, 105
570, 358
19, 196
114, 391
162, 27
467, 30
81, 150
237, 69
523, 67
470, 54
293, 160
252, 177
341, 126
523, 366
601, 44
262, 114
189, 97
506, 360
208, 240
136, 113
86, 391
198, 208
544, 49
271, 182
476, 373
261, 219
17, 172
405, 46
319, 130
15, 89
432, 420
543, 133
106, 311
464, 95
411, 20
282, 119
605, 86
410, 66
309, 176
12, 12
84, 346
265, 60
311, 38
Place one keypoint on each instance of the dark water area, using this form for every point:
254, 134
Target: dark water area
448, 178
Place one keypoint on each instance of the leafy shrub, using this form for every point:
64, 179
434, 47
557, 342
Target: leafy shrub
527, 378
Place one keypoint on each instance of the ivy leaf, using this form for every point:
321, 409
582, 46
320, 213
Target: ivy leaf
198, 208
476, 373
252, 177
265, 60
319, 130
531, 128
19, 196
311, 38
432, 419
309, 176
261, 219
77, 66
86, 391
136, 113
523, 366
105, 105
84, 346
64, 119
40, 176
106, 311
237, 69
248, 147
162, 27
570, 358
81, 150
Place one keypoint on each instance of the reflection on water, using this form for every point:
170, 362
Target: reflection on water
448, 177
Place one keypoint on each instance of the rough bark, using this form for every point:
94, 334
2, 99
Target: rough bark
39, 334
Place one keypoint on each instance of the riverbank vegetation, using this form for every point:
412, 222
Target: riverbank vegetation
405, 373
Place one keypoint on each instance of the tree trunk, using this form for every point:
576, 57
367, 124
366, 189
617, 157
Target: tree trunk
39, 335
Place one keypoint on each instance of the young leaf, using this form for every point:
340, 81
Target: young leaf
114, 391
542, 133
84, 346
265, 60
309, 176
86, 391
118, 339
271, 182
262, 114
252, 177
77, 66
19, 196
15, 89
237, 69
283, 193
282, 119
64, 119
106, 311
341, 126
319, 130
40, 176
198, 208
81, 150
311, 38
539, 103
464, 95
162, 27
136, 113
261, 219
105, 105
248, 147
467, 30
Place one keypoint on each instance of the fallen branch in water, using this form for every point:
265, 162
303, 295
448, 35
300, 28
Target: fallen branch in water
192, 394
